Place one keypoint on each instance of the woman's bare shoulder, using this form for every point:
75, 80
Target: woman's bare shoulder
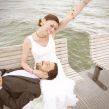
27, 42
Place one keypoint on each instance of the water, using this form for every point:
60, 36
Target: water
18, 18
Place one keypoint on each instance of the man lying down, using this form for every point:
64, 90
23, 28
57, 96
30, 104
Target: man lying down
19, 87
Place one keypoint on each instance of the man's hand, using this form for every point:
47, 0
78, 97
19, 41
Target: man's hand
41, 74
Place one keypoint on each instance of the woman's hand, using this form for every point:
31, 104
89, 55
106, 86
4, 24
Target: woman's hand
72, 14
40, 74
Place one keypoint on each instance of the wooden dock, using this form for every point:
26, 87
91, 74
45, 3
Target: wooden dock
90, 95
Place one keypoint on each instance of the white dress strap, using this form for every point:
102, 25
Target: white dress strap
31, 39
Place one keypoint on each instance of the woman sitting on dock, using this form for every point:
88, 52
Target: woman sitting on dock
41, 44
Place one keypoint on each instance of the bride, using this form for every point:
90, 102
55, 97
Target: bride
57, 93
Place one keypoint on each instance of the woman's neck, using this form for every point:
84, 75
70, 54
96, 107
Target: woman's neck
38, 37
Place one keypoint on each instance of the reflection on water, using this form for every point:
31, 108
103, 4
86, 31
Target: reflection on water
18, 18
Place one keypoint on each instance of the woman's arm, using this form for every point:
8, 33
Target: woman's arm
71, 15
25, 52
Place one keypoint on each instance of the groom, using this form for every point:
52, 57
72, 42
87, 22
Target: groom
19, 87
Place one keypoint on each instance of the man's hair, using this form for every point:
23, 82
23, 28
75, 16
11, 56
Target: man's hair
53, 73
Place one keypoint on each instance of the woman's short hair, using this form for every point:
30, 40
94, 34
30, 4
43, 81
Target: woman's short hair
49, 17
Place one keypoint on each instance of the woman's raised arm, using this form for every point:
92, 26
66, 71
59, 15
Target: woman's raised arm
74, 12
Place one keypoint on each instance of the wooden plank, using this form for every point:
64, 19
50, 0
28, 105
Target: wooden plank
92, 99
61, 52
13, 65
99, 41
61, 45
100, 56
61, 40
99, 36
61, 49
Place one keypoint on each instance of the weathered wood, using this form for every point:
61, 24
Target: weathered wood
99, 51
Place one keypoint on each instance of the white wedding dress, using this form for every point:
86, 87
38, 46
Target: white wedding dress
57, 93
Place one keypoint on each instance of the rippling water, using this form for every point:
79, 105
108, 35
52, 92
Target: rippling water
18, 18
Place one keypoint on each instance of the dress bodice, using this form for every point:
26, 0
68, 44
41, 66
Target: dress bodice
43, 53
47, 53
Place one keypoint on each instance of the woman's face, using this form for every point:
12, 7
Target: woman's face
49, 27
45, 66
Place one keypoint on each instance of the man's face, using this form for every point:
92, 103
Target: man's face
45, 66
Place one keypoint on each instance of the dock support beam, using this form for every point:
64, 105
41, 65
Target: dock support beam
96, 78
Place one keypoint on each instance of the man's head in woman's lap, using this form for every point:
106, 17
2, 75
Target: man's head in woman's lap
45, 66
48, 67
